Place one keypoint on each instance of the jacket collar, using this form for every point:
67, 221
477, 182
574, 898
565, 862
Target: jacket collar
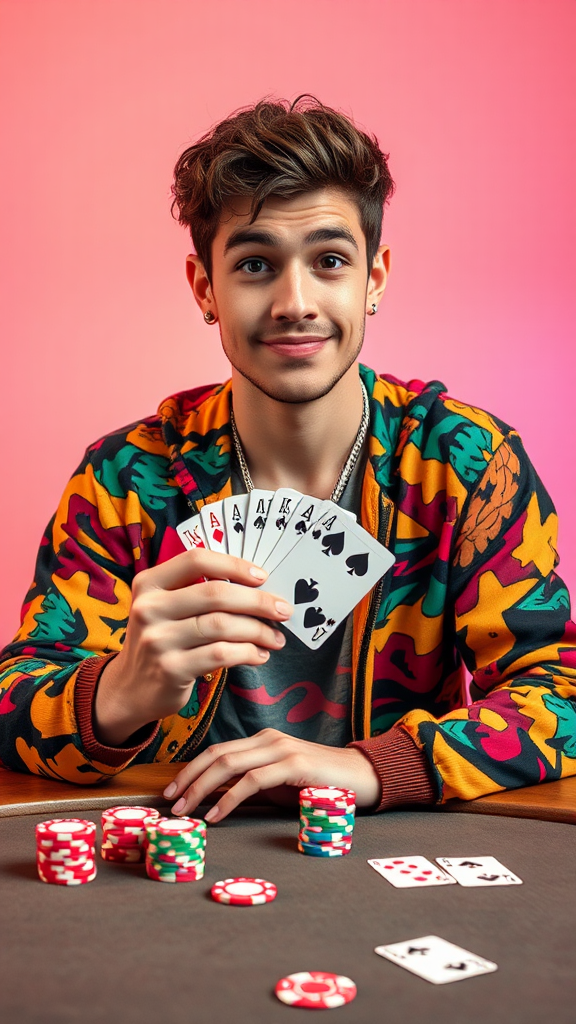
196, 427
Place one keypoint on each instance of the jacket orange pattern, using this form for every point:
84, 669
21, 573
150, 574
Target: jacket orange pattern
447, 487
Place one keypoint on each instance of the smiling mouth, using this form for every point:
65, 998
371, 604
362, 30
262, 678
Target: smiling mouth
296, 344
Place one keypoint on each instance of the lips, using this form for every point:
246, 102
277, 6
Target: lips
298, 346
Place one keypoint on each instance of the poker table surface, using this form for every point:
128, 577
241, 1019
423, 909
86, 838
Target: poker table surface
126, 950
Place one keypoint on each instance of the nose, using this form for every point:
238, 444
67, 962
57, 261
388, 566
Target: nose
294, 295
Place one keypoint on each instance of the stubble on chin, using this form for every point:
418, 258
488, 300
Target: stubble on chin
296, 391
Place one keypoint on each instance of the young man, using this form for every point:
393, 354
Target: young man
133, 650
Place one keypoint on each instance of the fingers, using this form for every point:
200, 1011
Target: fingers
269, 760
203, 761
155, 605
184, 569
186, 634
226, 767
254, 781
183, 666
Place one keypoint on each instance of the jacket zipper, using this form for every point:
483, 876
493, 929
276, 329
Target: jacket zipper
385, 513
196, 738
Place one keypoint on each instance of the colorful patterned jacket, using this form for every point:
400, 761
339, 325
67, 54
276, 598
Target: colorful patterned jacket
447, 487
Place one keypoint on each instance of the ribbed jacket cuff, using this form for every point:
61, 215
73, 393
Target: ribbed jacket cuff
402, 768
84, 693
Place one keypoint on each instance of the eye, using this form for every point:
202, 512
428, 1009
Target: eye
253, 267
331, 262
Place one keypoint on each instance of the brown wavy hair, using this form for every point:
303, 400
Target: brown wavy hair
281, 149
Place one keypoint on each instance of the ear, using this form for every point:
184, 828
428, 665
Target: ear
200, 285
378, 276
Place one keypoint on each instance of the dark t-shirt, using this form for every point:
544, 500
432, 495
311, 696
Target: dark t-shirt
304, 693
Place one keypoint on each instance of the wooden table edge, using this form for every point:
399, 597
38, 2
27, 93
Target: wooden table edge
143, 784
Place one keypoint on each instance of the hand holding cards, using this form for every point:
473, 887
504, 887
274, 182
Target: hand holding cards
318, 558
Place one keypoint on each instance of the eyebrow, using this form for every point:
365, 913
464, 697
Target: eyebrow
256, 236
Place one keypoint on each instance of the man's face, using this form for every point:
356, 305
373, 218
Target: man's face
290, 292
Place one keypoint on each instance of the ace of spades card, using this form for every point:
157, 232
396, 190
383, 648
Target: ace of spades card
326, 574
235, 513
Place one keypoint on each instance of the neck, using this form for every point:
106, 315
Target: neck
300, 446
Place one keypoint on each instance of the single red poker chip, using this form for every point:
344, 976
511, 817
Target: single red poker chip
328, 798
66, 830
315, 990
129, 817
244, 892
176, 827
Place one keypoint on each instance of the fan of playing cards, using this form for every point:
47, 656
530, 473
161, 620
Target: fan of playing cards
317, 556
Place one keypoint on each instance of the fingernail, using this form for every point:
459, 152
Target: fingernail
283, 608
279, 638
257, 573
179, 806
212, 814
170, 790
264, 655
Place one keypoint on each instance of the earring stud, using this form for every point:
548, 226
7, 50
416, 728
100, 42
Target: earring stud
209, 317
373, 309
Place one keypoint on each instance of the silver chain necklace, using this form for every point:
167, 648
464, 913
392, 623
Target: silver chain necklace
347, 468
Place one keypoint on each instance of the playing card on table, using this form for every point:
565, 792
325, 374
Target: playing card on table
235, 512
326, 574
280, 512
212, 517
258, 505
191, 533
410, 872
472, 871
436, 960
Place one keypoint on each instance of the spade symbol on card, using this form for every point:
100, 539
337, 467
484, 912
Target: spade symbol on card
259, 523
469, 864
333, 544
422, 950
316, 534
281, 523
358, 564
305, 592
238, 528
457, 967
301, 527
313, 617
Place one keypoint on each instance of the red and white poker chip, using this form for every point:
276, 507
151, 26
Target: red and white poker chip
65, 830
244, 892
128, 817
316, 990
176, 826
328, 798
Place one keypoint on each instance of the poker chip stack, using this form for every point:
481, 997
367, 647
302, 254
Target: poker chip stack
326, 821
66, 851
176, 849
124, 833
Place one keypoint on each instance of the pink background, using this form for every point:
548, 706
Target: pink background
474, 100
